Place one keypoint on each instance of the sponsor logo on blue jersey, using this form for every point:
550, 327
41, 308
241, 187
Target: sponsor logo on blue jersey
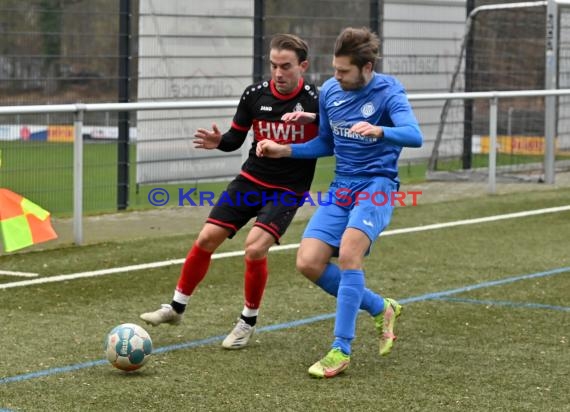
342, 129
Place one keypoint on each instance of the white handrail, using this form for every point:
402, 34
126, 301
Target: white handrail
118, 107
220, 104
489, 95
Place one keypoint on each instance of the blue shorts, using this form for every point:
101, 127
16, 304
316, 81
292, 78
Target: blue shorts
371, 215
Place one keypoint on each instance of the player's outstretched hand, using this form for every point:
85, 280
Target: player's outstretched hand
268, 148
299, 117
367, 129
207, 139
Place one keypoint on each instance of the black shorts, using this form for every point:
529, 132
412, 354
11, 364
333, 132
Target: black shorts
243, 199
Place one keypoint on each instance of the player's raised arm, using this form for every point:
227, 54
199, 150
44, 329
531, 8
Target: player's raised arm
207, 139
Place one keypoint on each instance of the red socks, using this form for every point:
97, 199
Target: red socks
254, 282
194, 269
196, 266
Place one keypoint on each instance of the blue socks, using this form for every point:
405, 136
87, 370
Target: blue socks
350, 291
330, 281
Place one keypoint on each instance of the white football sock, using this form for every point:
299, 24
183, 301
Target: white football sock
248, 312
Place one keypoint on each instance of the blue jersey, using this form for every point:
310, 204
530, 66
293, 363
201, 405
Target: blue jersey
381, 102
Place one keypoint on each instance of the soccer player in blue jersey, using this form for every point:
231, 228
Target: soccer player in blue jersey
365, 121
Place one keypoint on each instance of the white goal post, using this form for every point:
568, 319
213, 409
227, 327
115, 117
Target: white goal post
552, 73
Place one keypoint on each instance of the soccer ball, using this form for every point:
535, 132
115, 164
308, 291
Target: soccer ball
128, 347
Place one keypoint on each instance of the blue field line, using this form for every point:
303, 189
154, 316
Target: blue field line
506, 303
287, 325
186, 345
203, 342
53, 371
482, 285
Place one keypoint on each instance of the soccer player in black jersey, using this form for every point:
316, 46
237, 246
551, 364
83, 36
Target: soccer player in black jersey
267, 189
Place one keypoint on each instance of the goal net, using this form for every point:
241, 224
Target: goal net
504, 49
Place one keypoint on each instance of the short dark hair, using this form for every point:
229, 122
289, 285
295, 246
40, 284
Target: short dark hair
361, 45
291, 42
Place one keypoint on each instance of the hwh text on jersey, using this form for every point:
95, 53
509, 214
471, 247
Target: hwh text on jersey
283, 132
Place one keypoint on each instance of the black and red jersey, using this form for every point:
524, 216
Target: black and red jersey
260, 108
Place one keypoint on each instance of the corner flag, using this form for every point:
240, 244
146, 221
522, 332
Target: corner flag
22, 222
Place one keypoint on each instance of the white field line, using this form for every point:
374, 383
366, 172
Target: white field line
153, 265
20, 274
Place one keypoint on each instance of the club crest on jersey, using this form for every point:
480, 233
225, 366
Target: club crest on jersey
298, 108
367, 109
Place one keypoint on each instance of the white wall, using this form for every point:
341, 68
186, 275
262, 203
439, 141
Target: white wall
190, 50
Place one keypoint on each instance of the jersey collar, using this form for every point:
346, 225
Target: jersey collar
286, 96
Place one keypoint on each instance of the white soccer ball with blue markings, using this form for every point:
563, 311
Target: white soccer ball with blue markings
128, 347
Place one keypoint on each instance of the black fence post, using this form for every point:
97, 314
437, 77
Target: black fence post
258, 41
375, 17
467, 156
124, 96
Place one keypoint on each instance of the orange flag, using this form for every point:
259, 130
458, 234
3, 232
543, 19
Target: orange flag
22, 222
